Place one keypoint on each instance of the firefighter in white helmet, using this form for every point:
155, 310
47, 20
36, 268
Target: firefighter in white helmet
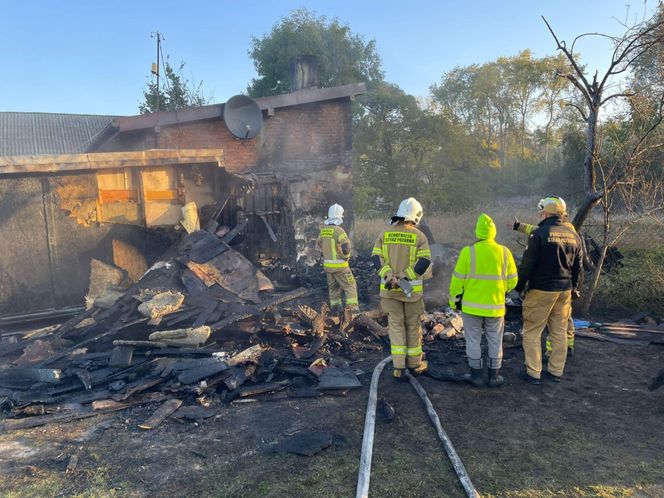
335, 244
401, 257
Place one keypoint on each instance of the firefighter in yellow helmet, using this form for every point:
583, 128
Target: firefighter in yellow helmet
401, 257
484, 273
550, 268
335, 244
527, 229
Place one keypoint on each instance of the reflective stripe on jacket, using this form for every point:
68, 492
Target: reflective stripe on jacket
399, 249
330, 240
484, 273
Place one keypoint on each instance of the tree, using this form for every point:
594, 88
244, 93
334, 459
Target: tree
478, 97
552, 97
177, 92
618, 157
632, 182
501, 101
636, 41
402, 150
526, 79
648, 79
343, 57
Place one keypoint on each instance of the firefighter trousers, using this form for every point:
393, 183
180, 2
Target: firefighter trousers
405, 329
569, 334
342, 282
551, 309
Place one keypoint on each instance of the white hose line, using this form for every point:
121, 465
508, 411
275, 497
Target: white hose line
459, 468
367, 440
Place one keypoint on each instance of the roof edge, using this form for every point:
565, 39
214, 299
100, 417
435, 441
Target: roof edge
299, 97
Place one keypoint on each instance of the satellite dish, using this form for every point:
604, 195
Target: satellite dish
243, 117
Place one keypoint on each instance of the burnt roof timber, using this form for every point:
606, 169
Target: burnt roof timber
58, 163
300, 97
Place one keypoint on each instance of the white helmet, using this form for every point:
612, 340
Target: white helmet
335, 215
409, 210
553, 205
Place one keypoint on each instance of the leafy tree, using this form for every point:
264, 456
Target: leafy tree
555, 94
402, 150
525, 78
343, 57
477, 97
176, 92
647, 78
502, 101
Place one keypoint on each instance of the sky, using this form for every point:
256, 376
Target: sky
94, 57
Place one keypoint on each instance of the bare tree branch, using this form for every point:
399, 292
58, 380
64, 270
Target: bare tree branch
577, 84
616, 95
568, 54
583, 114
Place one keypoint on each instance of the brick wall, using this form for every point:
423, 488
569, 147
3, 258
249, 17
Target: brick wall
297, 139
308, 138
239, 155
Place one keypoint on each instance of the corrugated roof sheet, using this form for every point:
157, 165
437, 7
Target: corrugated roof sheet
33, 133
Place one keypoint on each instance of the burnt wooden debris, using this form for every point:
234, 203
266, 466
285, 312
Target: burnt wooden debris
624, 333
220, 332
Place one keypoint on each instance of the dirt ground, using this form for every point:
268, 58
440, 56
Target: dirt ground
598, 433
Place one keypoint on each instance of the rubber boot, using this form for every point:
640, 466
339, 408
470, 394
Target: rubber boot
345, 319
474, 378
495, 379
421, 368
399, 374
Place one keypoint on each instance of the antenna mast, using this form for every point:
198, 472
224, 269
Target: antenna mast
155, 67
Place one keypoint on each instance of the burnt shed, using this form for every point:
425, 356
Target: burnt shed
74, 188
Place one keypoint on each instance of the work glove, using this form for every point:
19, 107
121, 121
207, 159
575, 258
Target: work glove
514, 225
391, 283
575, 294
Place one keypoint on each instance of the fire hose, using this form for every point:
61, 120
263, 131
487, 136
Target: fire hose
364, 474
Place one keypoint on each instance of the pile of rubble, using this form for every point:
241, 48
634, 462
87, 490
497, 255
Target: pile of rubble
202, 326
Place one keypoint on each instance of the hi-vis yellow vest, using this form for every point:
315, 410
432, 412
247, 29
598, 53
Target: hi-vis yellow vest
330, 239
484, 273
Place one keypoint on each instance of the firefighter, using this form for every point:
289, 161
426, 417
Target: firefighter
484, 273
401, 257
550, 268
527, 229
335, 244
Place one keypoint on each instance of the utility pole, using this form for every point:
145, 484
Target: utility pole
155, 68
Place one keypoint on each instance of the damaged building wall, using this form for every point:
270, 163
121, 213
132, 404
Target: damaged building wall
304, 153
311, 152
48, 238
